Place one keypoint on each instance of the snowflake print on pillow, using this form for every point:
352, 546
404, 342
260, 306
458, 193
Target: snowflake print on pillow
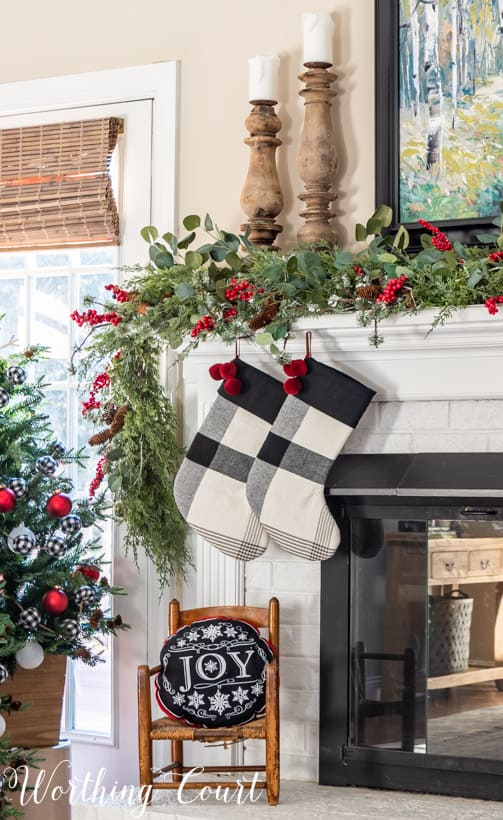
213, 673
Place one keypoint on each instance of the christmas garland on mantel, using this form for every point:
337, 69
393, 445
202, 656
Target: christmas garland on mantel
227, 289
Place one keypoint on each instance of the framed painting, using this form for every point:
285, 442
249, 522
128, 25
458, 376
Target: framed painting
439, 113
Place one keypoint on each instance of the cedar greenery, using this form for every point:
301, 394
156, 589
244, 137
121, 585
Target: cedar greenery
227, 289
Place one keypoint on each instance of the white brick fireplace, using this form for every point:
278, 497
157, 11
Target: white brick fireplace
441, 392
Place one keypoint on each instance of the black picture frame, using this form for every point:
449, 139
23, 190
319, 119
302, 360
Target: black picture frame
387, 133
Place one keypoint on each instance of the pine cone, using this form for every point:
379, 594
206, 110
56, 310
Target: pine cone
109, 411
100, 438
368, 291
118, 421
266, 315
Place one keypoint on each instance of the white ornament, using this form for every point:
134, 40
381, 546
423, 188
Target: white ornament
3, 725
30, 656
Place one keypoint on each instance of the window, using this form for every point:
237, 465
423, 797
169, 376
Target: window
38, 291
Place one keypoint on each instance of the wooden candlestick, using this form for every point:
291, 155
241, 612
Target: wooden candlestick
316, 159
261, 198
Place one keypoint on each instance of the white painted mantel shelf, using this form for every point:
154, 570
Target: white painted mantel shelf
462, 359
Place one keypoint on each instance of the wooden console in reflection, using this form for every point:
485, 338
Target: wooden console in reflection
474, 564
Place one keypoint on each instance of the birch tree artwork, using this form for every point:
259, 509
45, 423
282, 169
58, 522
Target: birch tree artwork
451, 109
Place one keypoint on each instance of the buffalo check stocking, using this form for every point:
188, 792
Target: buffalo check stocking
210, 487
286, 484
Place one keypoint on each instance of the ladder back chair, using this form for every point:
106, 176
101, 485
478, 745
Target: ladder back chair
165, 728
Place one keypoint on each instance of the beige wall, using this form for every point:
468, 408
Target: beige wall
213, 39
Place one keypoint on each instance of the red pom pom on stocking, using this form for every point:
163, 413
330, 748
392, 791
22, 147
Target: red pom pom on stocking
215, 372
292, 387
233, 386
228, 370
296, 368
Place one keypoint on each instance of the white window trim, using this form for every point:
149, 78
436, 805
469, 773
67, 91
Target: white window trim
159, 83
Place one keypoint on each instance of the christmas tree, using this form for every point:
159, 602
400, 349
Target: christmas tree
52, 590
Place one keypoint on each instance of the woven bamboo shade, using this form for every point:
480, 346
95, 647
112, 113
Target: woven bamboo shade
55, 185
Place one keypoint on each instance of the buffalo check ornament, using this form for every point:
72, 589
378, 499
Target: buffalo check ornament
210, 487
286, 484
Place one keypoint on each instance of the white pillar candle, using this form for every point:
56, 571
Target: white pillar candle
263, 77
318, 36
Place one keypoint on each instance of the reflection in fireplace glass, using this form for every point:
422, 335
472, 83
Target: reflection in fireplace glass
427, 636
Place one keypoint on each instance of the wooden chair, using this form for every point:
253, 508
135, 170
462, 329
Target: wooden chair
165, 728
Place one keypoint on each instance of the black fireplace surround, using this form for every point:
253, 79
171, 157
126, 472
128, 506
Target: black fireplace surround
413, 528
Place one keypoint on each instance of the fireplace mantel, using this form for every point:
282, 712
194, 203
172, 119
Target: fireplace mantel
454, 367
462, 359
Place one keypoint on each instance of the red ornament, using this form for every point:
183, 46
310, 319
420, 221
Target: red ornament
296, 368
90, 572
55, 601
233, 386
7, 500
59, 505
228, 370
292, 387
215, 373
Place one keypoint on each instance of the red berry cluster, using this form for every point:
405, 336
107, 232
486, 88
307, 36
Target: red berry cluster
492, 302
98, 477
119, 294
102, 380
90, 404
241, 291
440, 240
294, 369
228, 371
203, 325
390, 292
92, 317
358, 270
229, 314
497, 256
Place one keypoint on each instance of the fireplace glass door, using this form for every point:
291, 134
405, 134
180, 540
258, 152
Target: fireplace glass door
426, 636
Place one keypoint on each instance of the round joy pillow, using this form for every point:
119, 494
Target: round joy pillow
213, 673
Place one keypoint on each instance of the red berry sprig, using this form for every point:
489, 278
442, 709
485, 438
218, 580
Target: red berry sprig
497, 256
492, 302
203, 325
90, 404
229, 314
98, 477
241, 291
101, 381
359, 270
440, 240
119, 294
390, 292
92, 317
